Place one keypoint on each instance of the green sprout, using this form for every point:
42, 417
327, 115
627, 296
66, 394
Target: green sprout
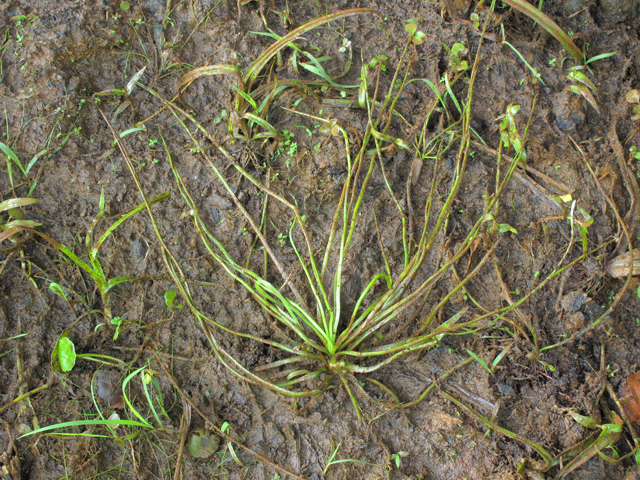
583, 86
128, 87
169, 298
63, 357
397, 458
475, 19
94, 268
509, 132
456, 53
417, 36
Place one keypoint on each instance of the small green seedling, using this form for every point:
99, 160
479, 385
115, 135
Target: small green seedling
583, 86
495, 362
223, 114
397, 458
153, 396
12, 159
169, 298
499, 227
380, 59
583, 221
128, 87
117, 321
94, 268
547, 365
346, 43
417, 36
202, 444
586, 422
475, 19
509, 132
534, 71
57, 289
334, 452
63, 357
456, 53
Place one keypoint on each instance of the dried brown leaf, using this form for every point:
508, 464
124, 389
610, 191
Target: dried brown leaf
620, 266
109, 388
630, 397
416, 168
633, 97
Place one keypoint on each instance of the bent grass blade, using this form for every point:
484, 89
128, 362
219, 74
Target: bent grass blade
549, 25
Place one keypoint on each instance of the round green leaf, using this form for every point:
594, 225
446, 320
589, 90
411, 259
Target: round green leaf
458, 49
410, 28
66, 354
125, 6
169, 297
419, 38
201, 444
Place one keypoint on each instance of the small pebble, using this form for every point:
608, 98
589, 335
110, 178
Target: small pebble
138, 249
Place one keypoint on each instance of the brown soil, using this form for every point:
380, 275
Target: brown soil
58, 55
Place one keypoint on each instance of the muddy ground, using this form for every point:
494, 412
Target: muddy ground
55, 57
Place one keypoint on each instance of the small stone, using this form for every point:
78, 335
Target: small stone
572, 302
506, 390
138, 249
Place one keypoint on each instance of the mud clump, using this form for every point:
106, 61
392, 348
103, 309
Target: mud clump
621, 10
568, 110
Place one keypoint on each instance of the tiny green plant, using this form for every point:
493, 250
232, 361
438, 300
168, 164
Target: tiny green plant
346, 43
137, 421
94, 268
126, 91
332, 461
13, 160
169, 299
509, 132
117, 321
495, 362
475, 18
63, 357
219, 118
397, 458
456, 54
417, 36
583, 86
